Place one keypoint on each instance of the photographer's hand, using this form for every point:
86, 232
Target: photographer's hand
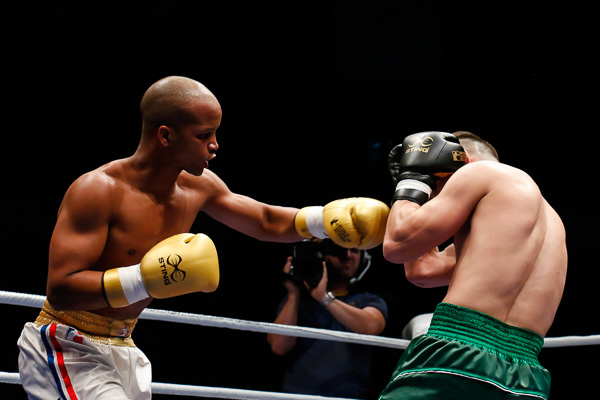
368, 320
319, 292
289, 284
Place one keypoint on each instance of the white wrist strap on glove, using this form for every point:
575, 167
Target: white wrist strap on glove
132, 283
314, 222
415, 185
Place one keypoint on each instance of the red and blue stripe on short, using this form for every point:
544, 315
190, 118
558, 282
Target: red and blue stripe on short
56, 360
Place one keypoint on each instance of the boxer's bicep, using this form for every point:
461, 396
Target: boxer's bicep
78, 239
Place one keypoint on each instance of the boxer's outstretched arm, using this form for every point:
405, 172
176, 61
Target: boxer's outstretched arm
246, 215
353, 222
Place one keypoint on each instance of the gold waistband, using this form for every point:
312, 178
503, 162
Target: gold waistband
97, 328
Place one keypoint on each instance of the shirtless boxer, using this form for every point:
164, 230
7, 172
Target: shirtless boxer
505, 270
105, 265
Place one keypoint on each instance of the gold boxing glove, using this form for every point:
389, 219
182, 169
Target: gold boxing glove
184, 263
357, 222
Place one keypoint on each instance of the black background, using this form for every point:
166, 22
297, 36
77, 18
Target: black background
314, 95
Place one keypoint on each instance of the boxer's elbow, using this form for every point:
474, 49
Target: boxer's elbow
400, 250
418, 278
56, 298
62, 296
395, 252
399, 244
422, 275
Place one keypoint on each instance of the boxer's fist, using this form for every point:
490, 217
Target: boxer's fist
421, 160
181, 264
356, 222
430, 153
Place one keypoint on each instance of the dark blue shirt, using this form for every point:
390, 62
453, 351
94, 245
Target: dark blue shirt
325, 367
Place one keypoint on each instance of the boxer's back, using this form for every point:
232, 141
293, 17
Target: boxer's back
511, 255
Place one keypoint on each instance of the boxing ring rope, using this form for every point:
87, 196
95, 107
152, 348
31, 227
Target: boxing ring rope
31, 300
203, 391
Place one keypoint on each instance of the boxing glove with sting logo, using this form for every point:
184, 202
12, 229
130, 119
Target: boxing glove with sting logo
180, 264
420, 161
356, 222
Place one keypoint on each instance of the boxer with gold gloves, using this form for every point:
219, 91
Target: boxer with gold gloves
119, 241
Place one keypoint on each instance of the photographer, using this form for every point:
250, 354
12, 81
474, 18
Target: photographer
321, 294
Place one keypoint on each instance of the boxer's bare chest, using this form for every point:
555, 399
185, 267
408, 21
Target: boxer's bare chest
141, 220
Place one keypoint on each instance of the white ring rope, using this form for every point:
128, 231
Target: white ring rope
32, 300
203, 391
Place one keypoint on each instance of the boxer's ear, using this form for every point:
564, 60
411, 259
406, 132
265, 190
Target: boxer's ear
164, 134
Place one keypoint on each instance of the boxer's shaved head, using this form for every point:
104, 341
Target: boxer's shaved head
167, 102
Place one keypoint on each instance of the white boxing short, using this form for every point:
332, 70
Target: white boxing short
59, 361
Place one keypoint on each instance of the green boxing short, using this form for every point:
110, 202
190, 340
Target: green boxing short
469, 355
